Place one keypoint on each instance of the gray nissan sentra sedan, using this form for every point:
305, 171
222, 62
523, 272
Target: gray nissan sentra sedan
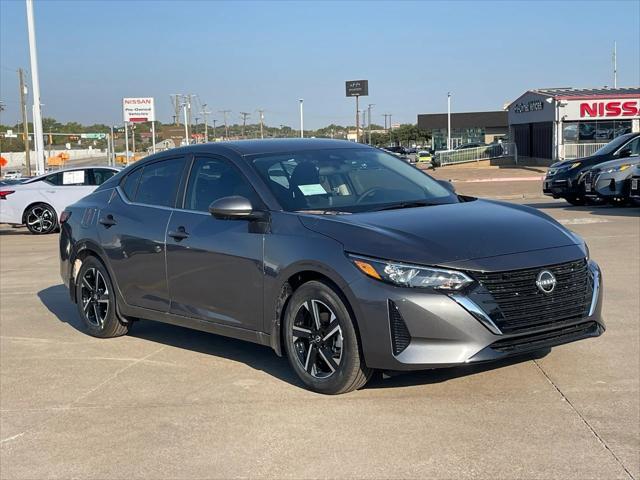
339, 255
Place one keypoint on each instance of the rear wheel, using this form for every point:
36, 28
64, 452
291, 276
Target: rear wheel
97, 302
41, 219
321, 341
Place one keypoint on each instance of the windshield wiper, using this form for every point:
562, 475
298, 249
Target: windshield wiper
395, 206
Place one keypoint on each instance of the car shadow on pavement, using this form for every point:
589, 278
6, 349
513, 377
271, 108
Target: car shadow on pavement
14, 231
56, 299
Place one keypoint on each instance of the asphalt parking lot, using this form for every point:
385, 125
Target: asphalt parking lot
167, 402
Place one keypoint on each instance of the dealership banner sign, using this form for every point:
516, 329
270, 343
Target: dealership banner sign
138, 110
615, 108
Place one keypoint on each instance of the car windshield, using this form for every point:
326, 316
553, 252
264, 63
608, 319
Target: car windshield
347, 180
614, 144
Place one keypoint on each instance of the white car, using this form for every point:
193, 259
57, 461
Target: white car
38, 202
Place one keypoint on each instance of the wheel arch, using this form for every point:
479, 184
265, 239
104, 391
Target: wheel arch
289, 283
82, 250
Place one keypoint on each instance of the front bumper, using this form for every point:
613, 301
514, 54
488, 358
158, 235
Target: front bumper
561, 185
606, 185
634, 188
446, 331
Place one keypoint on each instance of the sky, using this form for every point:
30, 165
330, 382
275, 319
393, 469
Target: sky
245, 56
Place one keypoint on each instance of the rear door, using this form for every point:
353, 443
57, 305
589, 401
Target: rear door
214, 267
132, 231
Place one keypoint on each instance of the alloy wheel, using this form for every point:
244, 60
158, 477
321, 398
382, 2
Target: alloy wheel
95, 297
40, 219
317, 339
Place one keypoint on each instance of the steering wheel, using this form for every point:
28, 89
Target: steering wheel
367, 193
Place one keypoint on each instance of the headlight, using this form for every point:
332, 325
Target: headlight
404, 275
619, 168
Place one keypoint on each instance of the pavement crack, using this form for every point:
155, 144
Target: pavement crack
584, 420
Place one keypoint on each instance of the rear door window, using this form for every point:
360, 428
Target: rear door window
159, 183
101, 175
69, 178
130, 184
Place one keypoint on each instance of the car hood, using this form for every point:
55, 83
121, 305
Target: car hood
444, 234
584, 161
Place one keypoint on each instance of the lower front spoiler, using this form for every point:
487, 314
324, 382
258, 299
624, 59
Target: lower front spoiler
537, 341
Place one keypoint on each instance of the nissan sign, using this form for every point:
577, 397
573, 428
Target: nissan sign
138, 110
596, 109
357, 88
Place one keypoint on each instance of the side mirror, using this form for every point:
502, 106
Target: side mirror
448, 185
625, 152
234, 208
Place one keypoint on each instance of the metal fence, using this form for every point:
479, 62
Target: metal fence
476, 154
579, 150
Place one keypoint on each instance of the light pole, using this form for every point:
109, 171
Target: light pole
186, 124
301, 100
35, 85
448, 120
369, 107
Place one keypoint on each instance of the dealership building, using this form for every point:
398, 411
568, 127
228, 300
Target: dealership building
548, 124
564, 123
470, 127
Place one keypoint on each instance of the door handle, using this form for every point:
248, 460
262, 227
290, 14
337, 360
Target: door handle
179, 234
107, 221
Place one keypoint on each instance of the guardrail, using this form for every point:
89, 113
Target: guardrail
476, 154
580, 150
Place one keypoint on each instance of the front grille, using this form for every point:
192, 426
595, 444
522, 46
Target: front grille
546, 339
524, 307
400, 336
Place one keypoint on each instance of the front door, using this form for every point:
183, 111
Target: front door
132, 232
214, 267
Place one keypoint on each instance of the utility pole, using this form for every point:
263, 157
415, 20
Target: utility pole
448, 120
126, 142
615, 64
226, 126
204, 113
25, 122
35, 85
369, 107
301, 100
215, 136
386, 115
133, 140
261, 112
244, 121
176, 104
195, 129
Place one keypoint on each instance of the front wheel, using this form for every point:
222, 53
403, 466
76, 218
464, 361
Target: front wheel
321, 341
41, 219
97, 301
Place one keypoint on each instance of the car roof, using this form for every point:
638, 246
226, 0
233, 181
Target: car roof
266, 146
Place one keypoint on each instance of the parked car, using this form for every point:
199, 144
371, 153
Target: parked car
634, 185
12, 175
39, 201
564, 179
611, 181
466, 146
338, 254
426, 156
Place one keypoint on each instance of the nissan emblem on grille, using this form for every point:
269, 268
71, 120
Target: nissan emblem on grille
546, 281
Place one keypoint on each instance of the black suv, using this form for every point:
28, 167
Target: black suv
564, 179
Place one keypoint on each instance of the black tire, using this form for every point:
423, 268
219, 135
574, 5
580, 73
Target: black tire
96, 301
41, 219
576, 200
338, 365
